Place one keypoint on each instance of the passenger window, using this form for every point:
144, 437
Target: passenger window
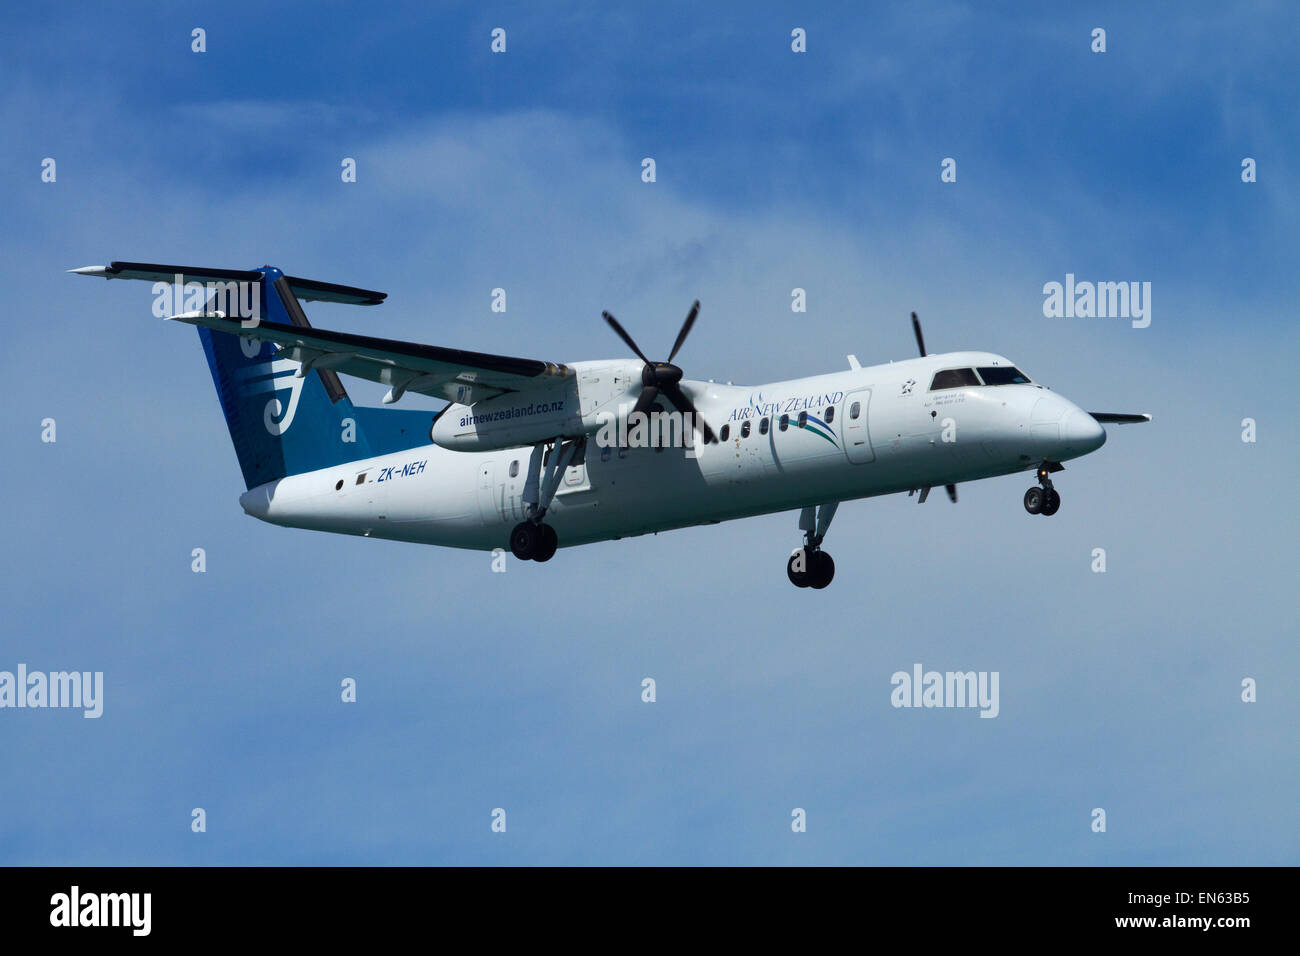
855, 410
726, 430
954, 378
803, 419
514, 468
784, 422
762, 426
830, 414
744, 430
339, 485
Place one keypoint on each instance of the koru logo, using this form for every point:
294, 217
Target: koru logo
272, 376
908, 385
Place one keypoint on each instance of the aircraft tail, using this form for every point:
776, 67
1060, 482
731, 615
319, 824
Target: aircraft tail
285, 423
282, 422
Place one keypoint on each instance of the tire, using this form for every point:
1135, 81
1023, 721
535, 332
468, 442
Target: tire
546, 548
799, 579
524, 540
1051, 502
822, 570
1034, 501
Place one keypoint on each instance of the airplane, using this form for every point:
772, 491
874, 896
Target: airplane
530, 455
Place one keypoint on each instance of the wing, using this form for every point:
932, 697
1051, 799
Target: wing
453, 374
1119, 418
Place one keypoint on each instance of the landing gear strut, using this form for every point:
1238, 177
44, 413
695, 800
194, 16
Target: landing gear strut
810, 566
532, 539
1044, 500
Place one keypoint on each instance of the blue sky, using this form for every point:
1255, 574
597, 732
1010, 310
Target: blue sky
477, 690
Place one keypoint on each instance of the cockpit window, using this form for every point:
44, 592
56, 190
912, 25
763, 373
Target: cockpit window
954, 378
1003, 375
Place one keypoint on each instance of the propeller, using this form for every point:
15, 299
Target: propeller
920, 339
920, 344
662, 378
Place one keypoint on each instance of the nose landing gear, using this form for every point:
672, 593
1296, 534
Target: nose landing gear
1045, 500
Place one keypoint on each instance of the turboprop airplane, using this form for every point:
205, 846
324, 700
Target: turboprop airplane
531, 455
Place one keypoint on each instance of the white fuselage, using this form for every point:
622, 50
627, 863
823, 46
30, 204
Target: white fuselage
904, 436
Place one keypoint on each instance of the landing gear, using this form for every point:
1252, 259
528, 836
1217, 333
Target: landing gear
810, 569
1051, 502
531, 539
1045, 500
810, 566
525, 540
550, 541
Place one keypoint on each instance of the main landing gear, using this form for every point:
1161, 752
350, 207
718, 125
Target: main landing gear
532, 539
810, 566
1044, 500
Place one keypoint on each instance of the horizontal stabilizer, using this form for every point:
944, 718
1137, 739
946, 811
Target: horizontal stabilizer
309, 290
1119, 418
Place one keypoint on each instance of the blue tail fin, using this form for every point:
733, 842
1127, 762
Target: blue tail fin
285, 425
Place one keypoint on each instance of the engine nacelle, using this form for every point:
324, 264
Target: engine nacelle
575, 406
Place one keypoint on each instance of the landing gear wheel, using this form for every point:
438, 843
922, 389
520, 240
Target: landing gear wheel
821, 570
1051, 502
550, 541
800, 579
818, 569
525, 540
1034, 501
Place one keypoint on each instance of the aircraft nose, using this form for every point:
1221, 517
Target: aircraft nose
1081, 433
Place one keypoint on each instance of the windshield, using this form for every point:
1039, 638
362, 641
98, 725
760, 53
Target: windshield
1003, 375
953, 378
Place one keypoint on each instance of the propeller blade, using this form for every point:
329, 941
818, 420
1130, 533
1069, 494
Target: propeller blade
920, 339
952, 492
684, 404
622, 334
646, 399
686, 328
